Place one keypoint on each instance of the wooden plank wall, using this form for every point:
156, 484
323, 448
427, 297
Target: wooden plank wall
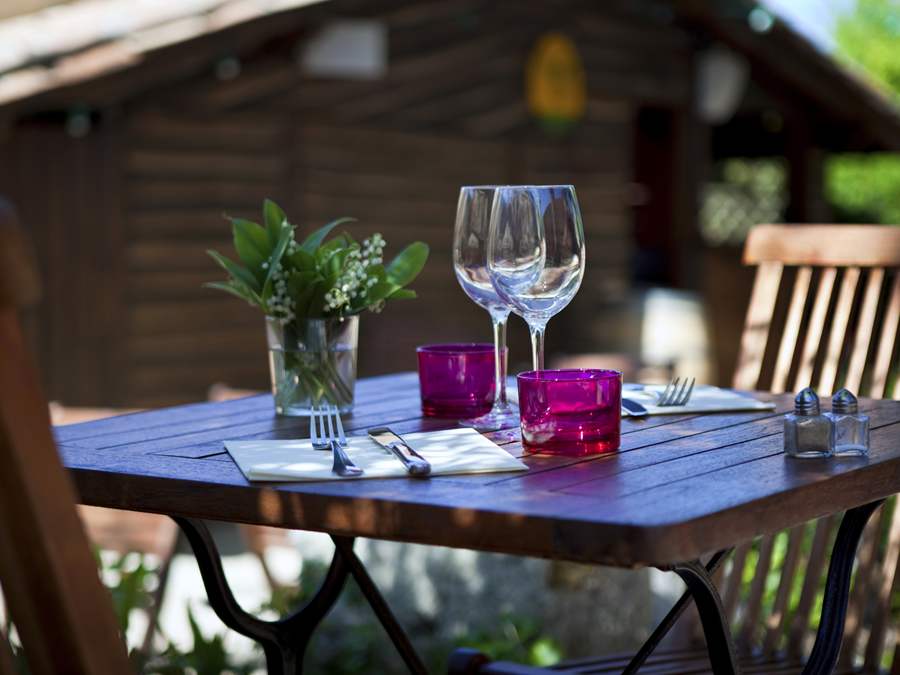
181, 176
151, 183
66, 193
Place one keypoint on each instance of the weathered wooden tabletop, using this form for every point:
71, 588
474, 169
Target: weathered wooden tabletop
679, 486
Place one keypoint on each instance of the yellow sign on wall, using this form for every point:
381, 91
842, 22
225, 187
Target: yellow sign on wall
555, 82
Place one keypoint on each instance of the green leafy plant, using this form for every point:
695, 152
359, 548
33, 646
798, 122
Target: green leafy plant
314, 278
515, 638
208, 655
307, 289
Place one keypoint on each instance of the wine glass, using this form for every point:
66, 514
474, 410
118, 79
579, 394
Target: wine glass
470, 238
536, 253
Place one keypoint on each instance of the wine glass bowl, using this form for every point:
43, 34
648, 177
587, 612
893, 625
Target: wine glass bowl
473, 216
536, 253
470, 241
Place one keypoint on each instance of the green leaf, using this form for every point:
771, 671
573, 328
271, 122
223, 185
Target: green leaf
380, 291
302, 260
313, 241
236, 271
275, 220
408, 263
237, 289
402, 294
274, 259
251, 243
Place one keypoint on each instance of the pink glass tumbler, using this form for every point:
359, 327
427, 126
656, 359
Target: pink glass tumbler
456, 379
570, 412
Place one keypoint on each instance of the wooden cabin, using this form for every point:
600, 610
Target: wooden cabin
126, 133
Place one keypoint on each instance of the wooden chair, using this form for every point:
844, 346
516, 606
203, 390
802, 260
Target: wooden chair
62, 612
824, 312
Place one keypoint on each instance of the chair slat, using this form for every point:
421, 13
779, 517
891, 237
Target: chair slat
813, 573
886, 587
791, 329
838, 331
757, 589
815, 327
867, 559
756, 327
775, 622
824, 245
732, 584
864, 329
882, 367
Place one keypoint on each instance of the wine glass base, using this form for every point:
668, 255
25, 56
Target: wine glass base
501, 416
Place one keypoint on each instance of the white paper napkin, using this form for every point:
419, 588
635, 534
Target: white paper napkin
705, 399
452, 451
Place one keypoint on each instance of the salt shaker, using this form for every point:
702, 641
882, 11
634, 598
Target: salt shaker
851, 429
807, 432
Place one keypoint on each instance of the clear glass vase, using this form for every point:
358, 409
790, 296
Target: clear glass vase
312, 362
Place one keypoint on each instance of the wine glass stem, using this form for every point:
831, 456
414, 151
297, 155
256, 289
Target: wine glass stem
537, 344
499, 360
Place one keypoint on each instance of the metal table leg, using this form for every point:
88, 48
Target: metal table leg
669, 620
284, 641
830, 635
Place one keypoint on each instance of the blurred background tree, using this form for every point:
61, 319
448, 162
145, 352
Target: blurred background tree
866, 188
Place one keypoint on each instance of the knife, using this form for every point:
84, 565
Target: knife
416, 465
634, 408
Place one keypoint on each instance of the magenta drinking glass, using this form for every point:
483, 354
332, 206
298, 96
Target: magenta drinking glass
456, 379
570, 412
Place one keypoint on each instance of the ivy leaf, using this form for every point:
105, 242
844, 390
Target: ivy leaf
408, 263
275, 220
236, 271
313, 241
251, 243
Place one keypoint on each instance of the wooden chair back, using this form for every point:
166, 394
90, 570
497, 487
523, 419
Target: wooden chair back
62, 613
824, 311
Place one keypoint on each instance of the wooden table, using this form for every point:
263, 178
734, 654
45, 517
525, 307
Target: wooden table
681, 486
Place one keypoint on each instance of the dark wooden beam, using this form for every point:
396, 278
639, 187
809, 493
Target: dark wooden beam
780, 57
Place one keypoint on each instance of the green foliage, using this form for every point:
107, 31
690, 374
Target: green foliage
515, 639
128, 579
867, 38
317, 278
208, 656
866, 188
349, 642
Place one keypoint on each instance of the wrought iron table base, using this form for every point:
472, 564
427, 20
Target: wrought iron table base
284, 641
720, 644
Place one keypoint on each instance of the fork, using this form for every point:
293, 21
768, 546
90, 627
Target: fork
677, 392
322, 423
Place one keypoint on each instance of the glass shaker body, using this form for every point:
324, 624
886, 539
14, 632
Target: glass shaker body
807, 436
851, 429
851, 434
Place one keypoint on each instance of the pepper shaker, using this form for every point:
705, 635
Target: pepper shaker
807, 432
851, 429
